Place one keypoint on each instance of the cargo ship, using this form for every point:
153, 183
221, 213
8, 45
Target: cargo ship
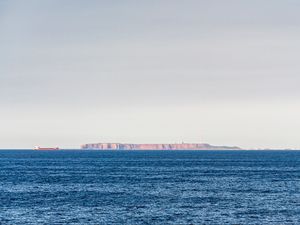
47, 149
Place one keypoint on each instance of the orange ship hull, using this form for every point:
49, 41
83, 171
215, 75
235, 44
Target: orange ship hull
47, 149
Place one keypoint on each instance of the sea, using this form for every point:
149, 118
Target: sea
149, 187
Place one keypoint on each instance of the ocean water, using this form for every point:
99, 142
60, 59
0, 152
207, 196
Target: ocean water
149, 187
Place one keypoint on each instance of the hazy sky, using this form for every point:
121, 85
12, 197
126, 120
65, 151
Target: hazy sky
215, 71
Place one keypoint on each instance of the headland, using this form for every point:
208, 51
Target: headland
182, 146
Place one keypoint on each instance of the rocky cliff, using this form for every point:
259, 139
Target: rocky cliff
183, 146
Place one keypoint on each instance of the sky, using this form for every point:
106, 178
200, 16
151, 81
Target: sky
159, 71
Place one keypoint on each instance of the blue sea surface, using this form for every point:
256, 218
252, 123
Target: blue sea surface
149, 187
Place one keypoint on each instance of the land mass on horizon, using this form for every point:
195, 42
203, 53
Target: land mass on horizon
182, 146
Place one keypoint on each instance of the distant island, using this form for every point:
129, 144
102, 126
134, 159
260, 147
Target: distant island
182, 146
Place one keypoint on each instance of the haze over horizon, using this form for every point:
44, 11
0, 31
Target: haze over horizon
217, 72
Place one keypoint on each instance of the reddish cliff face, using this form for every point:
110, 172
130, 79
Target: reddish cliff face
183, 146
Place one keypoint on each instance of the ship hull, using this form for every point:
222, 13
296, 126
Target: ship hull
46, 149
